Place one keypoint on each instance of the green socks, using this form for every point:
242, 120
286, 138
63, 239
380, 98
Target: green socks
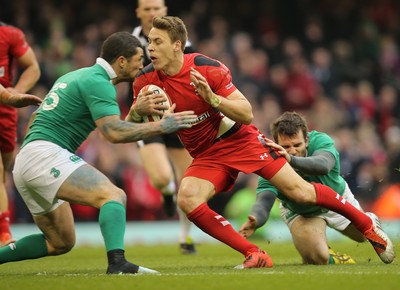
112, 221
29, 247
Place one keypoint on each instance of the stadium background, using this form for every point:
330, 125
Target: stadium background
335, 61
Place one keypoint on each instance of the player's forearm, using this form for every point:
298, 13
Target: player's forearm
262, 208
125, 132
319, 164
239, 110
28, 79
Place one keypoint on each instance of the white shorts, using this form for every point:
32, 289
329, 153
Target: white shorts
332, 219
40, 169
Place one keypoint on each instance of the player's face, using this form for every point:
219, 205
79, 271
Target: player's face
132, 66
295, 145
148, 9
161, 49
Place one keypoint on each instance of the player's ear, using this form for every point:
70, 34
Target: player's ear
178, 45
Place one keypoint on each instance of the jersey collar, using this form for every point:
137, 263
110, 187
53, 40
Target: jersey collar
107, 67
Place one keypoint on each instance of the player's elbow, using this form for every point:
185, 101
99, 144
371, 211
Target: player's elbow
247, 118
112, 137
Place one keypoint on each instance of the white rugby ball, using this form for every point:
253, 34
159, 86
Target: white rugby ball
156, 90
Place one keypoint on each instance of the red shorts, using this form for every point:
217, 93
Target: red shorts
244, 151
8, 128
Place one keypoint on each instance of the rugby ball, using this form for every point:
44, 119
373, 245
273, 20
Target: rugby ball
156, 90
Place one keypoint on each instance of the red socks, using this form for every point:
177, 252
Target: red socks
5, 222
218, 227
328, 198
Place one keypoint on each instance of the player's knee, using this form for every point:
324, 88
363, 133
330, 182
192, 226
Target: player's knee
161, 181
316, 258
301, 197
61, 246
187, 199
115, 194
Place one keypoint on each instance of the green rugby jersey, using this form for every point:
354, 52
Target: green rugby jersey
67, 115
317, 141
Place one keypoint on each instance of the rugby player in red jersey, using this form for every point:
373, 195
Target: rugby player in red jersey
223, 142
13, 48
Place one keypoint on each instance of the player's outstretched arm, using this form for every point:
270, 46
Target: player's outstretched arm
259, 213
117, 131
18, 100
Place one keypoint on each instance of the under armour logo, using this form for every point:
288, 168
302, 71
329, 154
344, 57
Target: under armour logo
263, 156
224, 222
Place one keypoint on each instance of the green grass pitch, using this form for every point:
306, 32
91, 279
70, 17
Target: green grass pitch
211, 268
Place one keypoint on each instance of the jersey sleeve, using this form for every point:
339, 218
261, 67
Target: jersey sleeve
321, 142
18, 44
102, 100
263, 185
220, 80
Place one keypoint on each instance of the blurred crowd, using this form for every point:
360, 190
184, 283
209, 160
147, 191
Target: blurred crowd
335, 61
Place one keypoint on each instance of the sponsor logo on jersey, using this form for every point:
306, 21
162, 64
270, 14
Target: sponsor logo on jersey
201, 118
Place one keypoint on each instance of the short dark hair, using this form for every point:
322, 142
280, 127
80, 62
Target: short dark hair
119, 44
174, 26
289, 124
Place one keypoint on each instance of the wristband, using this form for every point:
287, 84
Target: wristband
215, 101
135, 116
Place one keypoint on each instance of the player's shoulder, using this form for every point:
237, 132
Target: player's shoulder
146, 71
137, 31
148, 75
317, 134
320, 139
10, 29
200, 60
88, 78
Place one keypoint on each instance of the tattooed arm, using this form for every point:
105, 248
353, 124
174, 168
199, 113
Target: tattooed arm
117, 131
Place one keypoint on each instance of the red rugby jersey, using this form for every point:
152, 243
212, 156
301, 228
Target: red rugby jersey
12, 46
181, 91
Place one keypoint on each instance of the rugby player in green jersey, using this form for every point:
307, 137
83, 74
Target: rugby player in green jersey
314, 156
49, 176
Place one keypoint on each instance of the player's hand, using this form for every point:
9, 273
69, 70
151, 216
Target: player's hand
172, 122
249, 227
279, 148
22, 100
202, 87
148, 103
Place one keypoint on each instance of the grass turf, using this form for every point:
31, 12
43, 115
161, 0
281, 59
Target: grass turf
211, 268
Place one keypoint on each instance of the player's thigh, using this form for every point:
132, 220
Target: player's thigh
88, 186
180, 159
155, 161
58, 227
6, 159
293, 186
309, 235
